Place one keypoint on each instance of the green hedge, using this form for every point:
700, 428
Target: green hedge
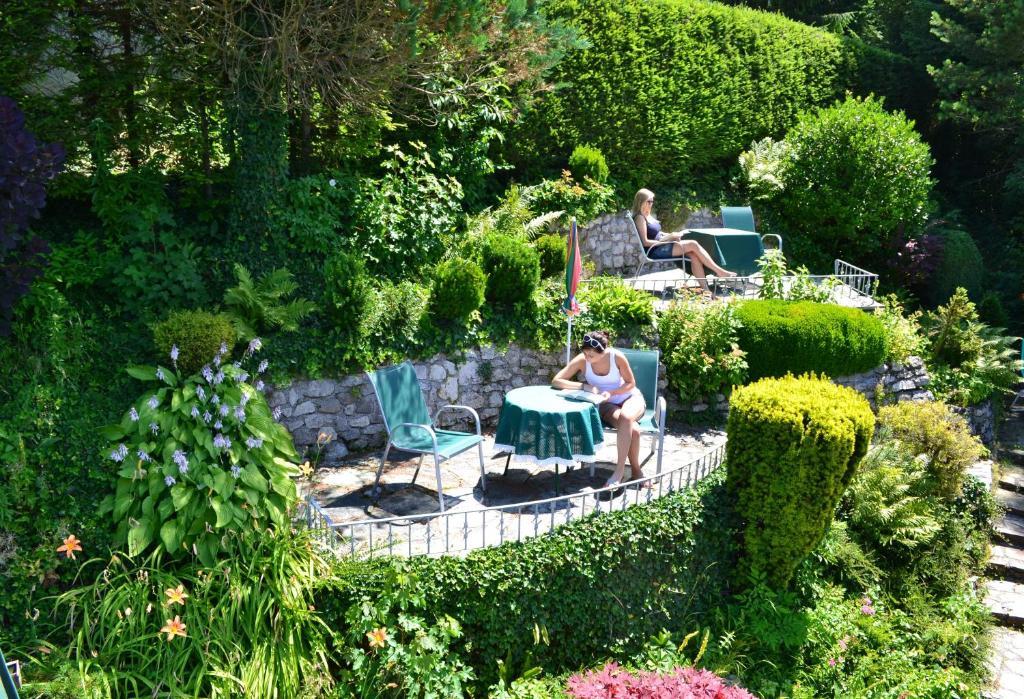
198, 335
796, 337
794, 444
603, 582
667, 88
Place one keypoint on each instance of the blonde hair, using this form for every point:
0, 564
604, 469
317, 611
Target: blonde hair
641, 198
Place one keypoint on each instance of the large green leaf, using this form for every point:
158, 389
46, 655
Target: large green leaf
140, 537
223, 512
181, 495
143, 373
170, 534
112, 432
251, 476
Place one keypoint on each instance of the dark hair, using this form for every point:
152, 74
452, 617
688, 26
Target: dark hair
594, 338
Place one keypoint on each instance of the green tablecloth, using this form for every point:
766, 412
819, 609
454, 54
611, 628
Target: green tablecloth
734, 249
539, 426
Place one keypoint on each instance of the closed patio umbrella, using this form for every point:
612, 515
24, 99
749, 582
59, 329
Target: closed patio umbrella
573, 270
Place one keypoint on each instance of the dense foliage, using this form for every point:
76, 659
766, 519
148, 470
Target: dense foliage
194, 336
699, 348
852, 177
782, 337
512, 268
680, 84
458, 289
794, 445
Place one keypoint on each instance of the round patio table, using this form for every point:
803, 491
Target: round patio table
539, 426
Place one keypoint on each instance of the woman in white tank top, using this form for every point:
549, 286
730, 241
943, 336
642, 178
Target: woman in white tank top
607, 372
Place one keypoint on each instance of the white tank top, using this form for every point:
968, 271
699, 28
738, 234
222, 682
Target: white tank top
610, 381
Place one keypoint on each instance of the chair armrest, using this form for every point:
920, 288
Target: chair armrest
778, 239
415, 425
660, 411
476, 416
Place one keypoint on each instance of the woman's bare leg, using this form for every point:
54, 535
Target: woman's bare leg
698, 271
696, 252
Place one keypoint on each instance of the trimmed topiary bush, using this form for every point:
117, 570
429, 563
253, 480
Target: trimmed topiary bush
960, 265
512, 268
346, 289
587, 161
458, 289
931, 428
796, 337
794, 444
551, 249
854, 178
198, 335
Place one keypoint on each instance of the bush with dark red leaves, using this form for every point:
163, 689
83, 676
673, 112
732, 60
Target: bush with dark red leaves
681, 683
25, 167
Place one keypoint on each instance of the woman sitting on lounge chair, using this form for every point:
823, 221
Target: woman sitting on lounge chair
649, 229
606, 372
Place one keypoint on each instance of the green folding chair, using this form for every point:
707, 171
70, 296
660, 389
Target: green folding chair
738, 217
410, 428
644, 364
8, 688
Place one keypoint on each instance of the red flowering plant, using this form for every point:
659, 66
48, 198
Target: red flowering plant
612, 681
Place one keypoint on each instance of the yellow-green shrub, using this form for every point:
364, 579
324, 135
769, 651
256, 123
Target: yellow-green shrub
931, 428
198, 336
794, 444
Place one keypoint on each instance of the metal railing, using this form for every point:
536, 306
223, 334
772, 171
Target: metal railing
452, 532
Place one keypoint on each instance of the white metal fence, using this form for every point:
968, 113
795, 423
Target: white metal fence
455, 532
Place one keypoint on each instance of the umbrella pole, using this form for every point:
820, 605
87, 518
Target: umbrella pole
568, 342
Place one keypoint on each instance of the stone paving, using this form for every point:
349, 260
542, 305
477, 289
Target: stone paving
345, 493
1006, 664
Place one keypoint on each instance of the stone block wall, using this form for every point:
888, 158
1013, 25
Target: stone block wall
344, 414
610, 244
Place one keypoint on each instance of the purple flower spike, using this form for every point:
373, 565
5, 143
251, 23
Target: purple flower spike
235, 471
215, 400
219, 378
224, 411
207, 417
133, 414
253, 442
195, 411
240, 414
244, 376
119, 453
174, 353
201, 393
262, 367
277, 413
207, 373
218, 425
169, 481
154, 428
260, 385
244, 399
143, 456
179, 458
160, 374
223, 348
216, 360
254, 345
153, 402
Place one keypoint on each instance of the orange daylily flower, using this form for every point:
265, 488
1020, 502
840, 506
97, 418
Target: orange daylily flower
174, 627
378, 637
176, 595
70, 545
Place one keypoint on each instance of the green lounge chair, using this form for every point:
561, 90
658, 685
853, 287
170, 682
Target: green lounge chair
8, 688
738, 217
644, 364
410, 428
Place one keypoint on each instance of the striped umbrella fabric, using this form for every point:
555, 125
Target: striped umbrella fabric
573, 270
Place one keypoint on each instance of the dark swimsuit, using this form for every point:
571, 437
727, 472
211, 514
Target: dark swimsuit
661, 252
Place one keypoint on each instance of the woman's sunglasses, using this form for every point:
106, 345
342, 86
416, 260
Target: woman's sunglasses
593, 342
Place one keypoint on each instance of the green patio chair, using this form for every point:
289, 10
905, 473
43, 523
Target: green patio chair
644, 364
738, 217
410, 428
8, 688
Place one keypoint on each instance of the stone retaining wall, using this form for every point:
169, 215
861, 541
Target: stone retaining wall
343, 412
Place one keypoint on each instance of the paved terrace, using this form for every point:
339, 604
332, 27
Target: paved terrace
406, 519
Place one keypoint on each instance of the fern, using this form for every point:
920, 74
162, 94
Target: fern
258, 307
881, 502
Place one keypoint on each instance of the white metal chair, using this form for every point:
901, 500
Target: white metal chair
645, 253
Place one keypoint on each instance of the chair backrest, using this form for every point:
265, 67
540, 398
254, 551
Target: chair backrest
738, 217
399, 395
631, 226
644, 364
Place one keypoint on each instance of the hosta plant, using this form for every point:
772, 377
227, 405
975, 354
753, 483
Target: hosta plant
201, 461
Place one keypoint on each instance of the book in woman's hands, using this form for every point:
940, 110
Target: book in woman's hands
587, 396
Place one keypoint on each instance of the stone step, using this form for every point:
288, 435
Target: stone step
1012, 478
1007, 563
1010, 529
1005, 600
1014, 454
1013, 502
1006, 664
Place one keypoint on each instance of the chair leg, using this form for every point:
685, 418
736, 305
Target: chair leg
416, 473
508, 460
558, 482
661, 451
380, 470
437, 472
591, 469
483, 471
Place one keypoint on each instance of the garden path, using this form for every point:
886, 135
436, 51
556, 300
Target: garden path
1005, 591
